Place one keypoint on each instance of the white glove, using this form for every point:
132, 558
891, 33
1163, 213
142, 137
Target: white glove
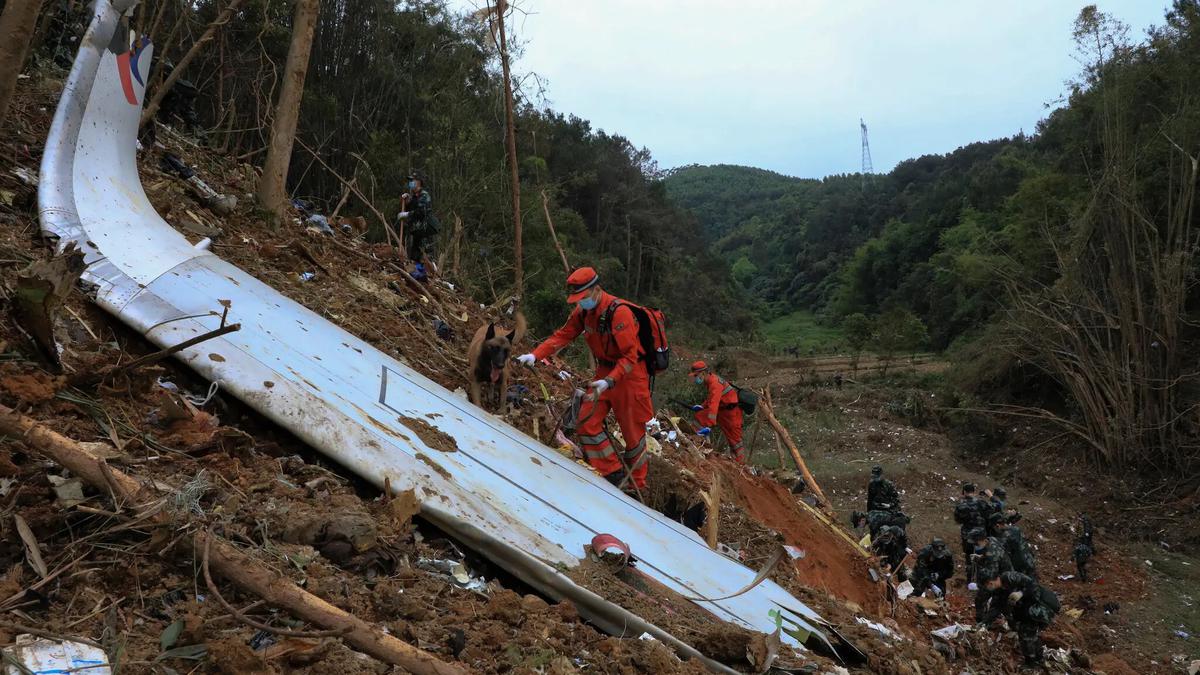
1015, 597
599, 387
402, 215
972, 586
405, 197
527, 360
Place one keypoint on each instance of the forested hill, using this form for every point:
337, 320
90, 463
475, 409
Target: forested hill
724, 195
844, 244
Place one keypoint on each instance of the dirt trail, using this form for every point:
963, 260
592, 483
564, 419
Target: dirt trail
758, 370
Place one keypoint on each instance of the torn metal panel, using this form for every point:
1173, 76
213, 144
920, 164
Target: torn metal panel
347, 399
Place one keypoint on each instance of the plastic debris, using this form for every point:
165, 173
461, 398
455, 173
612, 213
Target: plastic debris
904, 590
729, 552
27, 177
1066, 577
37, 655
1059, 656
952, 631
456, 572
1183, 634
69, 491
877, 627
320, 222
307, 276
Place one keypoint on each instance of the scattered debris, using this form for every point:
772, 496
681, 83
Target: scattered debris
39, 655
952, 631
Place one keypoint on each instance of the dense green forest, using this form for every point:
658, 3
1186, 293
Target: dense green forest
843, 245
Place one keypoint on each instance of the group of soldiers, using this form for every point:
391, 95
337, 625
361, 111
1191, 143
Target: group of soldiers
1002, 569
1000, 566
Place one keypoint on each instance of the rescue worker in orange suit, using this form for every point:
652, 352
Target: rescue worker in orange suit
621, 382
720, 408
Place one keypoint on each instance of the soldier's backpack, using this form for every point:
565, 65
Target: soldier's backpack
747, 400
1050, 600
652, 334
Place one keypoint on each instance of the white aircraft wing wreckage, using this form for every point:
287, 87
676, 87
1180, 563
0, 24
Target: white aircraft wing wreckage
502, 493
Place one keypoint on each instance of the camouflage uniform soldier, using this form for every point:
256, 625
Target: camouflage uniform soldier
1030, 608
995, 525
881, 493
891, 545
1019, 552
990, 562
969, 514
935, 565
999, 499
421, 229
1084, 549
876, 520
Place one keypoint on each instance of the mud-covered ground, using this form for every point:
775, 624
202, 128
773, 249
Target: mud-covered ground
1139, 613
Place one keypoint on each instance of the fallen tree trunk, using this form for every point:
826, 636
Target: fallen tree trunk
226, 560
791, 446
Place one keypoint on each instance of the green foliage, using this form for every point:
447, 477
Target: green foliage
858, 330
803, 331
897, 330
744, 271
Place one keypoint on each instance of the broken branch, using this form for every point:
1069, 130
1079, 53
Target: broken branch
791, 446
237, 567
553, 234
91, 379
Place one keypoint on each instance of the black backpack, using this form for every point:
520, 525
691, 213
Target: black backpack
747, 400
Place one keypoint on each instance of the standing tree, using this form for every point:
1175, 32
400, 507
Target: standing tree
897, 330
271, 189
16, 30
857, 328
511, 140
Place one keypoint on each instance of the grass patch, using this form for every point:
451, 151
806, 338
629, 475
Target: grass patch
812, 431
802, 329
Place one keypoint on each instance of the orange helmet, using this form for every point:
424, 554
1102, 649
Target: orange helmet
580, 282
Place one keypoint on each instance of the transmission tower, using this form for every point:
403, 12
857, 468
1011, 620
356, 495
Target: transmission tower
867, 169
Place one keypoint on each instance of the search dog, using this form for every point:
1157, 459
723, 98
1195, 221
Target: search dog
488, 360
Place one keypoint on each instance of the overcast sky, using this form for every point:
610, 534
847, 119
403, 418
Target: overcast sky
781, 84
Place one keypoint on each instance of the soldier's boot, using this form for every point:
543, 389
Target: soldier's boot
981, 601
1031, 648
